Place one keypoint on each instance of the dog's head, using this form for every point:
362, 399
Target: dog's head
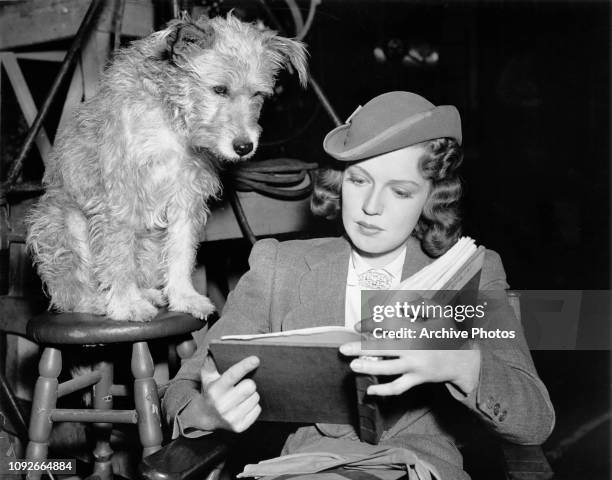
225, 68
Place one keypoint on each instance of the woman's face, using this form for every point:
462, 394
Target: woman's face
382, 200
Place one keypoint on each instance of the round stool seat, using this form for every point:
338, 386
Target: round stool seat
88, 329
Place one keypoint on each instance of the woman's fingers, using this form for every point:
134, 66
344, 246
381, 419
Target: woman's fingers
237, 395
396, 387
353, 349
396, 366
243, 416
237, 411
236, 372
233, 398
248, 419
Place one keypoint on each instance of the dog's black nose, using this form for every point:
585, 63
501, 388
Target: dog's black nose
242, 148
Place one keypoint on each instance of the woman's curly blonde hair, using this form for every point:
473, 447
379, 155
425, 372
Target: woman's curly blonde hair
439, 226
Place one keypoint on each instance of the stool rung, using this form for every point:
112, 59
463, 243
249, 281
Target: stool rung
93, 415
77, 383
119, 391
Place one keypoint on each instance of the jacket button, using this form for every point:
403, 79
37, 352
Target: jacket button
503, 416
496, 409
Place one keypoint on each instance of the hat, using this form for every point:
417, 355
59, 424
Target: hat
389, 122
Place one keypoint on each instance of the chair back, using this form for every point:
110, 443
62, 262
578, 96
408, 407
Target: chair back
514, 299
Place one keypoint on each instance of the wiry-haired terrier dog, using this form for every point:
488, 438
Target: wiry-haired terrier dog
126, 188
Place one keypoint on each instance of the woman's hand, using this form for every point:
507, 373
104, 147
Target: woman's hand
226, 401
414, 367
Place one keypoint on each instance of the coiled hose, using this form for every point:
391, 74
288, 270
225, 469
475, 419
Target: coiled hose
281, 178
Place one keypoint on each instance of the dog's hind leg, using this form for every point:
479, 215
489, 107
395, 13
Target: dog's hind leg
90, 298
57, 241
150, 264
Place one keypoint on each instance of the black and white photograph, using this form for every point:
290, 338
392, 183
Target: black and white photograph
305, 239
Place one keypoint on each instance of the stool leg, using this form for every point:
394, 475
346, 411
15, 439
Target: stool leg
103, 400
146, 399
44, 401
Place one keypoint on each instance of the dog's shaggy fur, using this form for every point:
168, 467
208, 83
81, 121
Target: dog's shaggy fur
126, 188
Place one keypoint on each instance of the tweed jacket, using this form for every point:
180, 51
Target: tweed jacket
299, 284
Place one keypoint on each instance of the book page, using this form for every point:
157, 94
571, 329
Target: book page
434, 275
289, 333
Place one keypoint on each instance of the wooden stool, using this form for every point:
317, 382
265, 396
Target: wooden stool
57, 330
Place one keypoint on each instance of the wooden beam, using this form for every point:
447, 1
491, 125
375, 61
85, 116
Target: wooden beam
21, 354
17, 227
25, 100
74, 96
94, 55
49, 56
15, 313
21, 362
21, 276
38, 21
28, 23
138, 18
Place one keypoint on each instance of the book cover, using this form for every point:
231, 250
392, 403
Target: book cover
301, 378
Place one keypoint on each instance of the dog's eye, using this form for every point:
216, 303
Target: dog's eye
260, 95
220, 90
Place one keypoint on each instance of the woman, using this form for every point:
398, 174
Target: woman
397, 193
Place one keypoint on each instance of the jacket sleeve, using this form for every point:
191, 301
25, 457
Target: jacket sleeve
246, 311
510, 397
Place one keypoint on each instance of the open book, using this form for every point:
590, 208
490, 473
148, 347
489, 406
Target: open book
452, 279
454, 273
451, 271
302, 376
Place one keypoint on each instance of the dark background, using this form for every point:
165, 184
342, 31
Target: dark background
531, 80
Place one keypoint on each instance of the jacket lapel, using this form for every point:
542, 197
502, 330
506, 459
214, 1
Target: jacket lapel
415, 258
414, 261
322, 289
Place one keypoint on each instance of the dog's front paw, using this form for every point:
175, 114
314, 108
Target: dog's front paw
135, 309
156, 297
193, 303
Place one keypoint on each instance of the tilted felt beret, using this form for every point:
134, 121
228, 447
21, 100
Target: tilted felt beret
389, 122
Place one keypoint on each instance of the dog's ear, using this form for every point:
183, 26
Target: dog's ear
189, 38
290, 53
